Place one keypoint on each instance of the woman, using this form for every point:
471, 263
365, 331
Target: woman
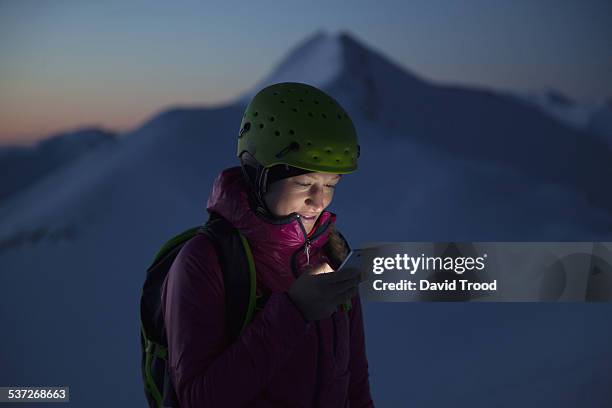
301, 349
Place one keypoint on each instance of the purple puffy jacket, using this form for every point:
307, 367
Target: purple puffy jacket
280, 360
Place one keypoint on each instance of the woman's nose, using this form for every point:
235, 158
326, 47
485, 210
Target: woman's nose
316, 199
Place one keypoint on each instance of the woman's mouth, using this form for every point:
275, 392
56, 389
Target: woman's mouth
308, 218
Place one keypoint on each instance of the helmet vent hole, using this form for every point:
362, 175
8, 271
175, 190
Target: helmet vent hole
271, 118
261, 125
256, 113
337, 160
291, 132
282, 101
316, 102
315, 157
324, 116
310, 114
346, 151
301, 100
309, 143
339, 116
275, 93
328, 151
294, 109
244, 129
290, 90
277, 133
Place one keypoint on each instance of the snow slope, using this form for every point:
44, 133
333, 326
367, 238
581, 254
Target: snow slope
600, 122
75, 247
593, 118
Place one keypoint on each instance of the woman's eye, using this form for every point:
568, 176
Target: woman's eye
310, 184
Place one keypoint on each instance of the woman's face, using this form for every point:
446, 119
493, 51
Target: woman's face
307, 194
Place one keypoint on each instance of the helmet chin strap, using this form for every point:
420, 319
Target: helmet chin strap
256, 176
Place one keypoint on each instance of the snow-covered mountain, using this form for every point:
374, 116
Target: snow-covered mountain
561, 107
21, 166
588, 117
438, 163
473, 124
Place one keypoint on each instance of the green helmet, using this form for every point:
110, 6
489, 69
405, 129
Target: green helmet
298, 125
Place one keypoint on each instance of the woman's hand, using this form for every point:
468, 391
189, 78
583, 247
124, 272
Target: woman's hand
318, 292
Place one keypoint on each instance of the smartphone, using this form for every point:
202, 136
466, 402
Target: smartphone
353, 260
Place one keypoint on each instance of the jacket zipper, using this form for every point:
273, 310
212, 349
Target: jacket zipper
307, 243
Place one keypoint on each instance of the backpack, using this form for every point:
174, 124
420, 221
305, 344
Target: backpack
239, 277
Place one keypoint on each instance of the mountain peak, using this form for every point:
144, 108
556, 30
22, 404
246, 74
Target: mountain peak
317, 60
323, 59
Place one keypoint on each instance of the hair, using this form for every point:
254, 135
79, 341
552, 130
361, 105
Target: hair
336, 247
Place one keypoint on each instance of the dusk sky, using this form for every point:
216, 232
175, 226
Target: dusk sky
66, 63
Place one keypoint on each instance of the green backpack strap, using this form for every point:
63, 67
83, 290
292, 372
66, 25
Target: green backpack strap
177, 240
252, 283
151, 389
